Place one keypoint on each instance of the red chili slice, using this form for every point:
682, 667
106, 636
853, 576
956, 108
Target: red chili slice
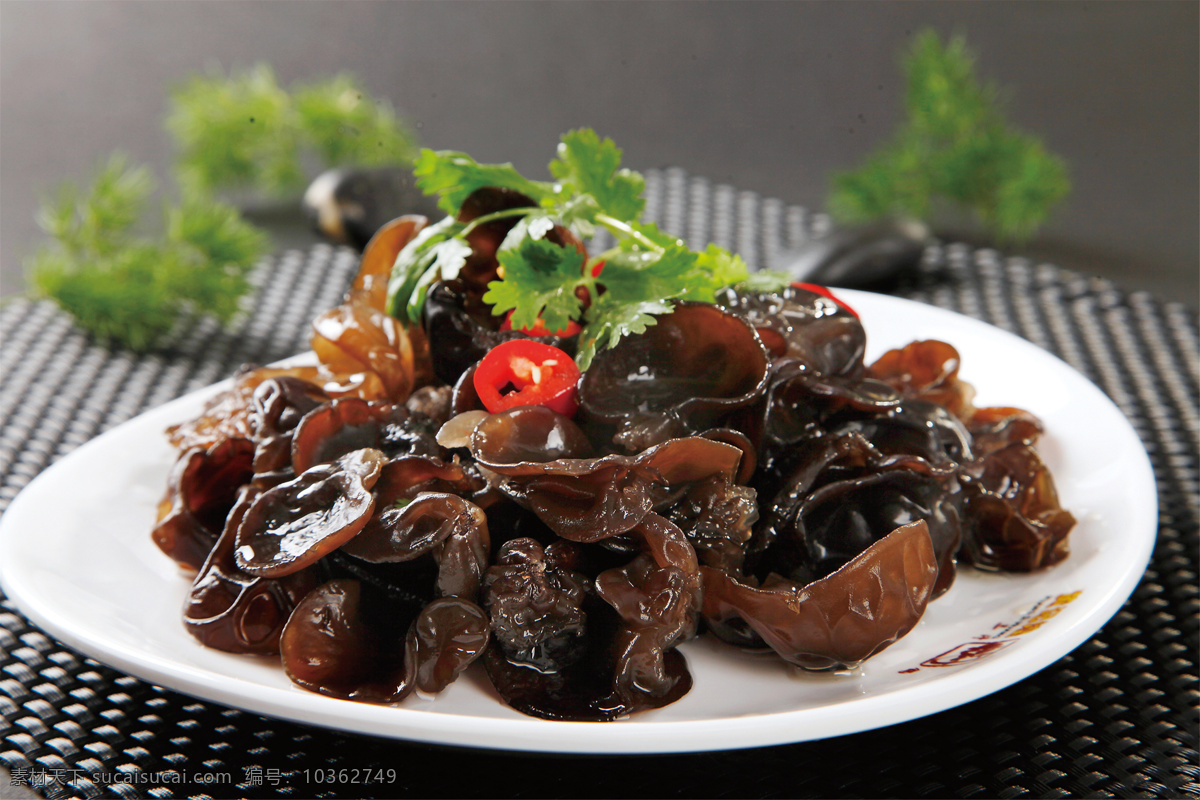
523, 372
539, 327
824, 292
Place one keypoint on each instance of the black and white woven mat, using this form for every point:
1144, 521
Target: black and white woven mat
1117, 717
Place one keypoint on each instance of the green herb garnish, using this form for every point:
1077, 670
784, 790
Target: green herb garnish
129, 288
954, 145
244, 130
453, 176
642, 276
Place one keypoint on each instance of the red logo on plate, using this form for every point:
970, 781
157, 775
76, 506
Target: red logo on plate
965, 652
1002, 634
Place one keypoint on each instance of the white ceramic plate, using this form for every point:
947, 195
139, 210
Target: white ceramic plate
76, 557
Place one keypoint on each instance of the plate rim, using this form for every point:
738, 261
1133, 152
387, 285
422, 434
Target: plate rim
638, 735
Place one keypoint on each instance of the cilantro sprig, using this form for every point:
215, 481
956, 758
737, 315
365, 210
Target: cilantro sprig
453, 176
629, 286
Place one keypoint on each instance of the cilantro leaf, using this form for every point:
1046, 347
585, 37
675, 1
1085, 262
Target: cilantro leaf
413, 263
534, 226
454, 176
608, 321
716, 268
450, 256
587, 164
765, 281
674, 271
633, 273
579, 214
540, 279
443, 262
649, 231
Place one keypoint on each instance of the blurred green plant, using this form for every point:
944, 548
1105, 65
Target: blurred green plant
956, 146
126, 287
243, 130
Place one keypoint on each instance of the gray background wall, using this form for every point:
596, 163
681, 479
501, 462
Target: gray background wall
765, 96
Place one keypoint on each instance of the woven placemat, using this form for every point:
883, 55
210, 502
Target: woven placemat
1116, 717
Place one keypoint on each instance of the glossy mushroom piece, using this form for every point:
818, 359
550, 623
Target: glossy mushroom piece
201, 490
1015, 519
681, 376
804, 325
278, 405
658, 597
294, 524
928, 370
842, 619
351, 639
363, 351
345, 640
843, 493
451, 529
535, 602
349, 424
379, 255
996, 427
228, 609
717, 516
536, 454
230, 413
816, 347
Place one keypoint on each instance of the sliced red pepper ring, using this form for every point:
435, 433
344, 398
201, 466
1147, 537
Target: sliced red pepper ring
539, 327
523, 372
824, 292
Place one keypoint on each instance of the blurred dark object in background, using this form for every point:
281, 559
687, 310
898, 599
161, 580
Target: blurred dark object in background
347, 206
858, 256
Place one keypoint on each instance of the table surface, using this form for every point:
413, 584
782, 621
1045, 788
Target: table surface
1116, 717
